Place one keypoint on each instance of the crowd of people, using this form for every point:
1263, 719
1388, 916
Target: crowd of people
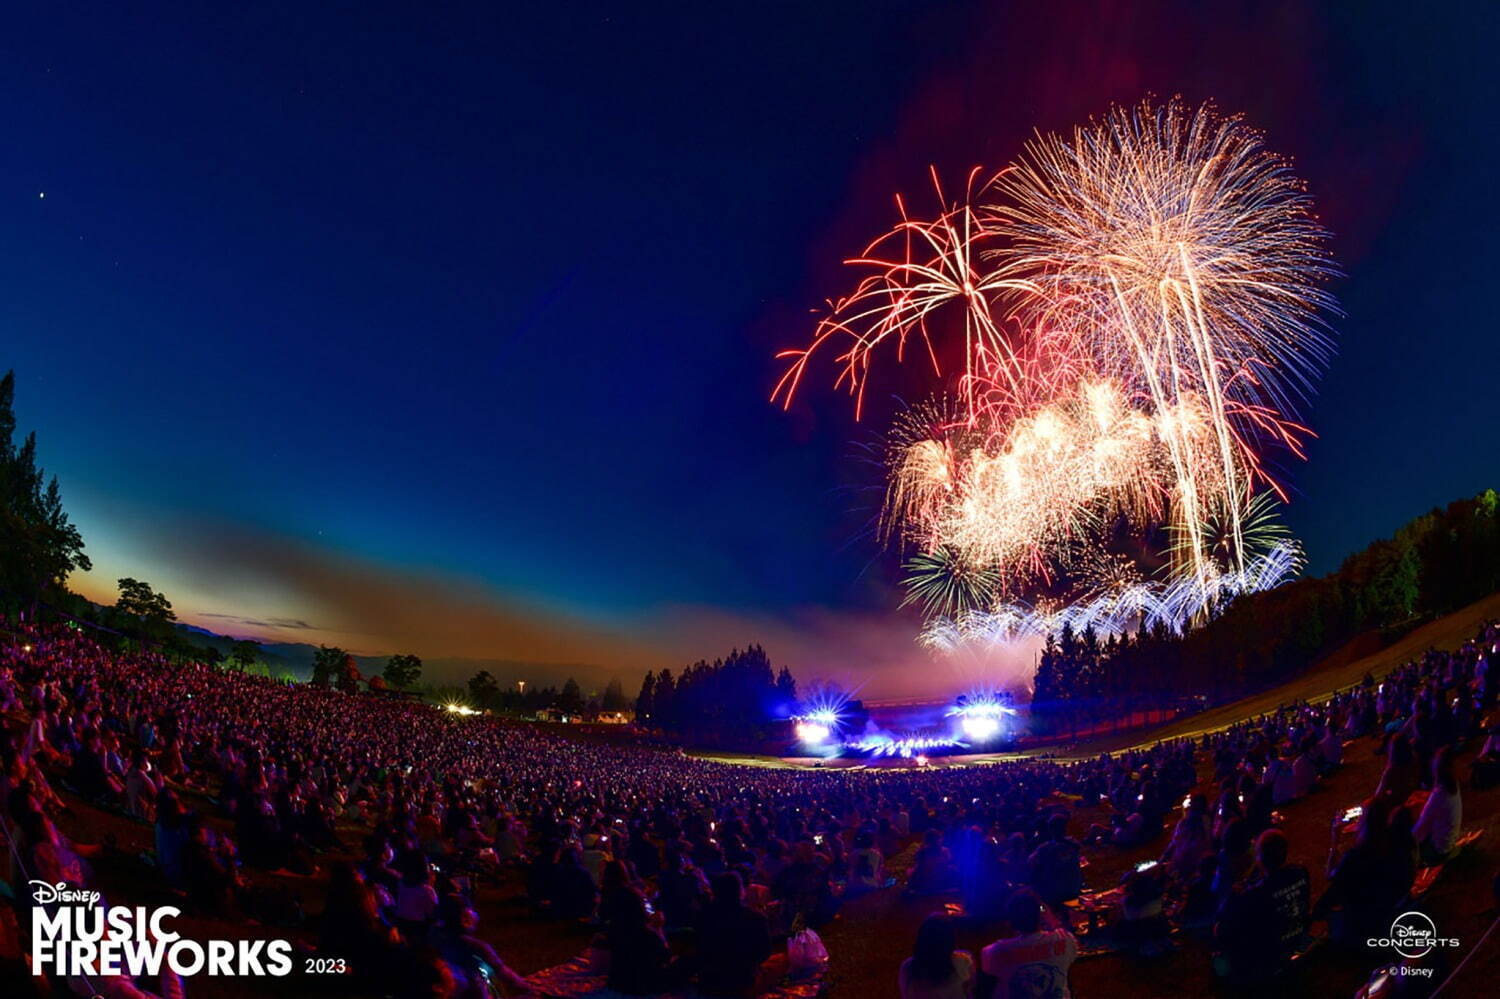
1224, 873
689, 873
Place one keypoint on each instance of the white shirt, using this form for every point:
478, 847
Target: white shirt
1440, 819
1034, 966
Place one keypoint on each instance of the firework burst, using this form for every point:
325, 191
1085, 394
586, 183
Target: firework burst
1187, 257
1141, 307
947, 585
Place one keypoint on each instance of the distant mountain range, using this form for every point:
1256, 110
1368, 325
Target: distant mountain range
297, 658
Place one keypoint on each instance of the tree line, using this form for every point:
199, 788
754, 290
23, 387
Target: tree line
1434, 565
484, 692
734, 700
1437, 563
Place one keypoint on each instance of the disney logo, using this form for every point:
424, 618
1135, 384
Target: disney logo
44, 892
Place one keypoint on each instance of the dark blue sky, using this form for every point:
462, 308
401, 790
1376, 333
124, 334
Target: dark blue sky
486, 296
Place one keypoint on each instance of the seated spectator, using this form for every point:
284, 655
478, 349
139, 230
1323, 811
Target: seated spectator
1401, 847
1399, 779
140, 787
1260, 809
1015, 863
1263, 922
1235, 859
1330, 749
473, 963
87, 773
616, 884
1192, 839
639, 960
1231, 806
1305, 769
681, 890
1143, 928
1200, 905
595, 853
937, 969
932, 869
416, 901
1035, 961
866, 865
574, 895
1437, 828
1280, 778
351, 927
171, 835
208, 868
732, 942
803, 887
1486, 767
983, 884
1055, 865
1364, 888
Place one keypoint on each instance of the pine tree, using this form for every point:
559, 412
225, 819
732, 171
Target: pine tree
614, 697
645, 701
786, 687
39, 546
571, 700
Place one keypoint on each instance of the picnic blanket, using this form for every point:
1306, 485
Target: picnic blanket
1428, 876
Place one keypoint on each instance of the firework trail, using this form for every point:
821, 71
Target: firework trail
915, 272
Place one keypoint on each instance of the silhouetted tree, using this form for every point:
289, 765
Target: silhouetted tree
402, 670
645, 701
664, 710
327, 661
483, 690
730, 700
786, 687
614, 697
244, 654
570, 702
349, 676
152, 611
39, 546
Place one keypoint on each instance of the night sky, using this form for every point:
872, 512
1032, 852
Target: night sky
451, 330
